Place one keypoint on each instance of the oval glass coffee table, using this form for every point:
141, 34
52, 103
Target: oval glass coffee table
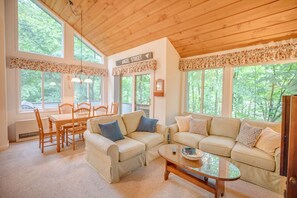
210, 172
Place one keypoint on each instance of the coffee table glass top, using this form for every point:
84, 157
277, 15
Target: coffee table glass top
209, 165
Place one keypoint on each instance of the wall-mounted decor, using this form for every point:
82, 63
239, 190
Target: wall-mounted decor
159, 88
137, 58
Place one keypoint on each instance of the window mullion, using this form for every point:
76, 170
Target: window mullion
42, 90
202, 92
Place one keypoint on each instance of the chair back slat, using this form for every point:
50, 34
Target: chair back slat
114, 108
65, 108
84, 105
38, 119
100, 110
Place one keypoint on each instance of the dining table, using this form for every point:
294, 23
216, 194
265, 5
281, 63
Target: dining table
61, 119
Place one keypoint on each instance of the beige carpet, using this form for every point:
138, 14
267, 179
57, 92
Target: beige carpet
25, 172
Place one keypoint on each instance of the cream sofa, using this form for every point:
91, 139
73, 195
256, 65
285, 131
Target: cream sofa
115, 159
255, 165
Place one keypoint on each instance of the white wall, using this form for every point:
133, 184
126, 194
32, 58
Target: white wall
12, 74
3, 100
164, 108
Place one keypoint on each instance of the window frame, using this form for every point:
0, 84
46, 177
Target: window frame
88, 91
186, 99
18, 83
89, 45
56, 18
152, 98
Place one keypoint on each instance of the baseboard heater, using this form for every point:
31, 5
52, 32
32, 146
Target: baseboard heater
28, 129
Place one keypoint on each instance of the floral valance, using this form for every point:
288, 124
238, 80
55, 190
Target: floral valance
46, 66
279, 51
148, 65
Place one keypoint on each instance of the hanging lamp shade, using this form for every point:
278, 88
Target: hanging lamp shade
88, 80
75, 79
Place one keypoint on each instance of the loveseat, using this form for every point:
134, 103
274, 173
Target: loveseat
115, 159
256, 166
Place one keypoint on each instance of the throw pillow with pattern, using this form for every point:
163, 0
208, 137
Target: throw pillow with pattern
198, 126
248, 135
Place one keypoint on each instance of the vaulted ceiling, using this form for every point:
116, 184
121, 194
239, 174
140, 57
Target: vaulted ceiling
194, 27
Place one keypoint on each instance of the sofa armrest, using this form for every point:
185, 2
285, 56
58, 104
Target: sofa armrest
103, 145
277, 160
164, 131
172, 130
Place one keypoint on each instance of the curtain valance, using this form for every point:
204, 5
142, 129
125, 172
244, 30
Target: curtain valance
148, 65
279, 51
47, 66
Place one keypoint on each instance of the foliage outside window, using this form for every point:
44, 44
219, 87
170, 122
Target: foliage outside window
89, 92
204, 91
87, 53
143, 93
39, 89
258, 90
38, 32
126, 94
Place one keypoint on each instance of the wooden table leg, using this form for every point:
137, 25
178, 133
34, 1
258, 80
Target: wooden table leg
166, 173
58, 128
220, 188
51, 128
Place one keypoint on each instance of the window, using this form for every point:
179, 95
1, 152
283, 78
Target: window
39, 89
204, 91
89, 92
87, 53
258, 90
38, 32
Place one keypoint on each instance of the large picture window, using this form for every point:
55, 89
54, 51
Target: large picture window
89, 92
85, 52
38, 31
204, 91
258, 90
39, 89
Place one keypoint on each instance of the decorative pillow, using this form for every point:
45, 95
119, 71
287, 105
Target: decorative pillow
111, 130
248, 135
183, 122
198, 126
147, 124
269, 141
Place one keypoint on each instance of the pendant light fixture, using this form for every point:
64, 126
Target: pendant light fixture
78, 77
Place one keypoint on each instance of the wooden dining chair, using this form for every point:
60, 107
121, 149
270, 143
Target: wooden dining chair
65, 108
45, 136
84, 105
79, 116
100, 110
114, 108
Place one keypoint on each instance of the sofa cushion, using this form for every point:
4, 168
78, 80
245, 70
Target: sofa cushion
149, 139
269, 141
132, 120
147, 124
188, 139
183, 122
217, 145
111, 130
203, 117
248, 135
93, 123
253, 156
198, 126
227, 127
261, 124
129, 148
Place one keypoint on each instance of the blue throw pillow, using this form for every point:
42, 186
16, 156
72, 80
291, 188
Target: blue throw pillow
111, 131
147, 124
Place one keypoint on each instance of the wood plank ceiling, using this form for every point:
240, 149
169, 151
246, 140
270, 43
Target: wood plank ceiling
194, 27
